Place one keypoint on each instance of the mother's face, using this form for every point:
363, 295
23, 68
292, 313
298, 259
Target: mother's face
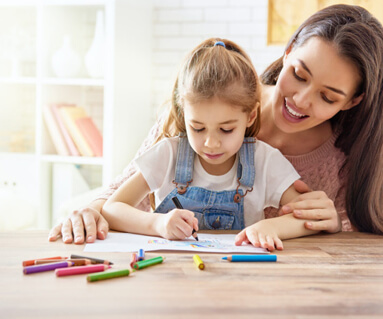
314, 85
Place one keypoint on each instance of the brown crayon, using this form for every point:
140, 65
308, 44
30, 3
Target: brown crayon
76, 262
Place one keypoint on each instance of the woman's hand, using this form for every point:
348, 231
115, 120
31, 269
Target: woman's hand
177, 224
262, 234
86, 221
315, 206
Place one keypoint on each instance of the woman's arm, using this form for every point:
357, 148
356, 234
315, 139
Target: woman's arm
315, 207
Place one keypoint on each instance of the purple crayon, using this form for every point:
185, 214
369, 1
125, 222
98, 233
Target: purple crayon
47, 267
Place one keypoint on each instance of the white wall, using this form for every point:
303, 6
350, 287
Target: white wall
179, 25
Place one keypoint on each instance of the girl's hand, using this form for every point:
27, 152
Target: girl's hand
316, 206
87, 221
262, 234
177, 224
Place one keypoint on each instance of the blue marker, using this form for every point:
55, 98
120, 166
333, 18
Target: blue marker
251, 258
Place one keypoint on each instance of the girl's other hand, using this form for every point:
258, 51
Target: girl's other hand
177, 224
87, 221
315, 206
261, 234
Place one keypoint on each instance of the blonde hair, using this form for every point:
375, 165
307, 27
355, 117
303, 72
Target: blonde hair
210, 71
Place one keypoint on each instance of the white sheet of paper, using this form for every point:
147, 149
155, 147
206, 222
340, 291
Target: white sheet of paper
210, 243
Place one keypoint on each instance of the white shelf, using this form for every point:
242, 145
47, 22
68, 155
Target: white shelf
79, 82
73, 160
115, 102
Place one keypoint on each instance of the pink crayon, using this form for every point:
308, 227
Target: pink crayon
81, 270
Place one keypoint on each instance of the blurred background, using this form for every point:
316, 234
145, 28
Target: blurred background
82, 82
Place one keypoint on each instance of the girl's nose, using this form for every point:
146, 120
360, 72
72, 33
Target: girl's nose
212, 141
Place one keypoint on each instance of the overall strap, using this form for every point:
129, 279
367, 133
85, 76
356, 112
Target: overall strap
184, 164
246, 168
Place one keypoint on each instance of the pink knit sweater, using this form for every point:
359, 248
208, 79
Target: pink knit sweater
318, 169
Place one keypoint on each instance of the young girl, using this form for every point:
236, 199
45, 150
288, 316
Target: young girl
210, 159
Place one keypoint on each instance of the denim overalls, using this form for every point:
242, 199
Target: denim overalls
214, 210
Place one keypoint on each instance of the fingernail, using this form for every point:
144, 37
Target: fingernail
309, 224
297, 213
77, 239
89, 238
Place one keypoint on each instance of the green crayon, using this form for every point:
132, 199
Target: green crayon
148, 262
108, 275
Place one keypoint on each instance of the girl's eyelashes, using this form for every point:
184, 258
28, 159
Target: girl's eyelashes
197, 130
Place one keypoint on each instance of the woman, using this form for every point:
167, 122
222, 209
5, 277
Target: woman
322, 108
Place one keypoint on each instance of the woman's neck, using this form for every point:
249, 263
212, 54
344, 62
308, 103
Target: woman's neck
293, 144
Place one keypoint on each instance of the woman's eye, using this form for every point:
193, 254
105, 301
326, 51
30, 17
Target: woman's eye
297, 76
324, 97
197, 129
227, 131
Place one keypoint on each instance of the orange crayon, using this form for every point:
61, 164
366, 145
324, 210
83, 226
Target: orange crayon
32, 261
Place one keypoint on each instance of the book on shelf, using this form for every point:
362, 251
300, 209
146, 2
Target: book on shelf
69, 116
64, 132
55, 132
91, 134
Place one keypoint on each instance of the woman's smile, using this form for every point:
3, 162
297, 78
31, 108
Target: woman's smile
291, 114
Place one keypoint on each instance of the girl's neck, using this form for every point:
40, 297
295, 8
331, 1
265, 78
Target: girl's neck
219, 169
293, 144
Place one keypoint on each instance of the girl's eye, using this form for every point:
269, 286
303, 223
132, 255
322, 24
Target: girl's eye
324, 97
227, 131
297, 77
197, 130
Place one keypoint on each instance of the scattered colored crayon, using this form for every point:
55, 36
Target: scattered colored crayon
140, 255
81, 270
148, 262
92, 259
77, 262
251, 258
108, 275
178, 204
46, 267
133, 259
32, 262
198, 261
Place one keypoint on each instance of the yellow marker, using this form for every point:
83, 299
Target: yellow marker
198, 261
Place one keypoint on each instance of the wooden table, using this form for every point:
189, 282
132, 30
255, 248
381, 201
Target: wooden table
322, 276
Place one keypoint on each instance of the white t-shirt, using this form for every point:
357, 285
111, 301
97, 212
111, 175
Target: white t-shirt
273, 175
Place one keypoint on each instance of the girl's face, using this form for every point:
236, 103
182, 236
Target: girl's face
315, 84
216, 131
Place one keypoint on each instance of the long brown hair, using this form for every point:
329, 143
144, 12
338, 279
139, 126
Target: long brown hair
358, 37
210, 71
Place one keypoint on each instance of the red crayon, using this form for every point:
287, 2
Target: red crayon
32, 262
133, 260
81, 270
